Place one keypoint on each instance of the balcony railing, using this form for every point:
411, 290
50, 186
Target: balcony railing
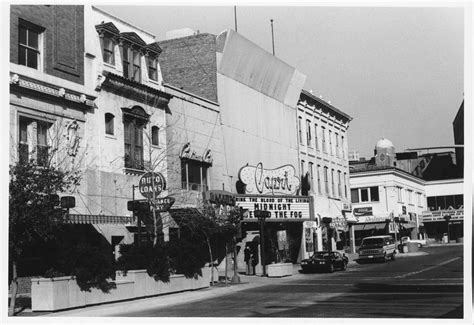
194, 187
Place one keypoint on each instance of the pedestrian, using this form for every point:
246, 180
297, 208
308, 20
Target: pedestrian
248, 259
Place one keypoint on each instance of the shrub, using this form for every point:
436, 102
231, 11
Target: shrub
188, 255
92, 266
154, 259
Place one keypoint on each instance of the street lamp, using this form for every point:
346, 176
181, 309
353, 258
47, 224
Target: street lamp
261, 215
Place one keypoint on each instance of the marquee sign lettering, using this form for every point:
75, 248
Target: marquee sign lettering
296, 208
281, 180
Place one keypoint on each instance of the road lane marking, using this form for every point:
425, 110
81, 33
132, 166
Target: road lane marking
428, 268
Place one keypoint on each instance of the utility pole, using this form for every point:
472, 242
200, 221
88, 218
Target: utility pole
273, 40
235, 17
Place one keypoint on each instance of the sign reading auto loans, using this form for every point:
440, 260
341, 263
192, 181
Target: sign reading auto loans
279, 207
281, 180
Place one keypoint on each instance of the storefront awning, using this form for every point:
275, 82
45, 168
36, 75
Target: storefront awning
99, 219
370, 226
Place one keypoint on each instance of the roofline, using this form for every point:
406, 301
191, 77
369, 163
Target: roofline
387, 170
319, 100
123, 21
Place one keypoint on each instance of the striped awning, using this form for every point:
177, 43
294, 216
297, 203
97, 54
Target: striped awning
370, 226
100, 219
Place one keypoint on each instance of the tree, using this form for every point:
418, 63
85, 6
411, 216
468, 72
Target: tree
34, 215
37, 176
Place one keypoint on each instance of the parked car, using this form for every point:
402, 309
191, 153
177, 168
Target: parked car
377, 248
420, 242
325, 261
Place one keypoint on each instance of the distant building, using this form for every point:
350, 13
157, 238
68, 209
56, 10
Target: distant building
353, 155
323, 155
381, 191
458, 128
437, 186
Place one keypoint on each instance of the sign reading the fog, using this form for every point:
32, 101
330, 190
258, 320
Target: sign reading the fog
280, 208
151, 185
281, 180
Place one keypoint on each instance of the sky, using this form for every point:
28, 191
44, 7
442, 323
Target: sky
399, 72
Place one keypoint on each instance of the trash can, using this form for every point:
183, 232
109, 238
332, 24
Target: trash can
405, 248
445, 238
412, 247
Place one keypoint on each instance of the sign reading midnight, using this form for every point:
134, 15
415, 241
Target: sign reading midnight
280, 208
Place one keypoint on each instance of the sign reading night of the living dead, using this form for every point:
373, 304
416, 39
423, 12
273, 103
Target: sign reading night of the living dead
280, 208
279, 181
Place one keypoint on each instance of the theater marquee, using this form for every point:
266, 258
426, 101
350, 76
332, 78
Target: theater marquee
293, 208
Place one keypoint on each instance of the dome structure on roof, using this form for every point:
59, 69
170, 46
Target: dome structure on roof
384, 143
385, 153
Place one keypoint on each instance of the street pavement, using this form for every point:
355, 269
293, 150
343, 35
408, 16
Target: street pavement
423, 284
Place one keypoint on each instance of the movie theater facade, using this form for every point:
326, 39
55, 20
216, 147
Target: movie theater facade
289, 229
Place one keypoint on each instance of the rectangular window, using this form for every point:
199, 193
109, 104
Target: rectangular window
410, 198
300, 131
153, 68
133, 140
23, 149
109, 123
399, 194
308, 133
126, 62
364, 195
330, 142
29, 42
316, 144
33, 140
155, 132
323, 132
345, 185
108, 51
333, 185
339, 183
326, 183
136, 67
337, 144
342, 148
374, 194
194, 175
318, 171
42, 144
302, 167
432, 203
310, 171
355, 195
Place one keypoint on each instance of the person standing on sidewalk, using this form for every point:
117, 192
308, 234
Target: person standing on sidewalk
248, 259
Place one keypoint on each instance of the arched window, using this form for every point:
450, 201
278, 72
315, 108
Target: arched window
109, 123
155, 131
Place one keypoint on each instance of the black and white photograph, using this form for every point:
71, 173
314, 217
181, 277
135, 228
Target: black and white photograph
223, 161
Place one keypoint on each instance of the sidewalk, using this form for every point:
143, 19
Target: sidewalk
219, 289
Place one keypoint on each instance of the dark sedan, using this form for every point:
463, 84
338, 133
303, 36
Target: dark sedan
325, 261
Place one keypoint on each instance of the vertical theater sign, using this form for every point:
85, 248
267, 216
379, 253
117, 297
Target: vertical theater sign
275, 190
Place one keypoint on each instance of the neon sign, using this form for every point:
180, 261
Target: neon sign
281, 180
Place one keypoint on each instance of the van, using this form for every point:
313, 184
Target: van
377, 248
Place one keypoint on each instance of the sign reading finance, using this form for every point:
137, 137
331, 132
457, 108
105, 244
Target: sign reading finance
281, 180
164, 204
279, 207
151, 185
